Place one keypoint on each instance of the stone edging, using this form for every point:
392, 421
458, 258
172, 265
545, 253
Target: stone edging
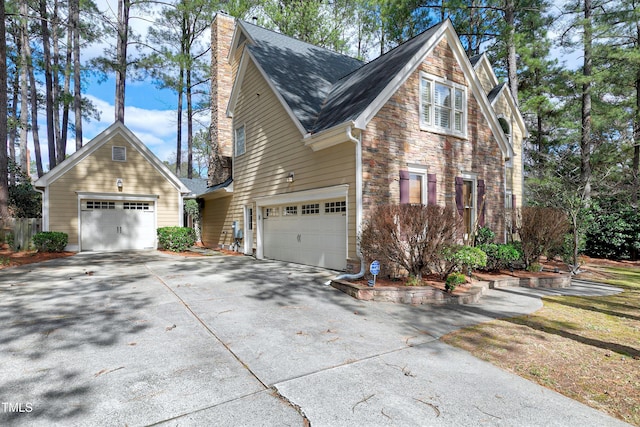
430, 295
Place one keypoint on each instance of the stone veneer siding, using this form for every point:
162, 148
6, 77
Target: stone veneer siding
222, 77
393, 139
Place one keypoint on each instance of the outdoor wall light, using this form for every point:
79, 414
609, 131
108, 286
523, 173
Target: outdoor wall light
119, 184
290, 177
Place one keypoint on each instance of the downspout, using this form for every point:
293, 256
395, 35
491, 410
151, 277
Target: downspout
358, 143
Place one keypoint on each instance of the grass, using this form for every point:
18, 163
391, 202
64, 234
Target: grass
587, 348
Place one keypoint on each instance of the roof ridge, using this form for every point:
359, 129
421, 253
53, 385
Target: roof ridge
301, 41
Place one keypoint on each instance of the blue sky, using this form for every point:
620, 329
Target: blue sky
150, 113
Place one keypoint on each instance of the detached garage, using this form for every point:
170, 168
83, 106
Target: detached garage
111, 195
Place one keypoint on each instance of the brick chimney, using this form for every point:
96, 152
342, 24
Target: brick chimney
221, 83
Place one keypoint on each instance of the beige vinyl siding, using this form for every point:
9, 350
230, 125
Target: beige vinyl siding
274, 147
214, 219
486, 80
97, 173
502, 109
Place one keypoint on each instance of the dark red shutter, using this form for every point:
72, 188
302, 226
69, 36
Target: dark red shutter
481, 202
432, 189
513, 201
459, 205
404, 187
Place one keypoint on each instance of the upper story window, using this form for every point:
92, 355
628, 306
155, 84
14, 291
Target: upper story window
240, 145
443, 105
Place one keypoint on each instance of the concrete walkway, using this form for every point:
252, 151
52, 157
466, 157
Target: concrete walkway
145, 338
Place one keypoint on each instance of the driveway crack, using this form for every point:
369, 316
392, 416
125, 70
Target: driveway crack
207, 328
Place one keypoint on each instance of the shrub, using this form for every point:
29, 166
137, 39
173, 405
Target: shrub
464, 258
176, 239
454, 279
614, 233
409, 237
540, 229
484, 236
50, 241
413, 281
534, 267
500, 256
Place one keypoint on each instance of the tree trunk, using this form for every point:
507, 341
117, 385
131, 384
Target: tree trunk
585, 140
121, 57
64, 131
34, 110
512, 59
12, 129
635, 187
24, 85
61, 143
189, 127
179, 117
44, 24
4, 164
77, 86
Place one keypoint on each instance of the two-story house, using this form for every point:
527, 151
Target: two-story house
316, 139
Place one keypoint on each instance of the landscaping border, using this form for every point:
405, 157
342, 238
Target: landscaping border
417, 295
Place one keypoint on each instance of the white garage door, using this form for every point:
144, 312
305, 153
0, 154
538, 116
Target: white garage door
313, 233
117, 225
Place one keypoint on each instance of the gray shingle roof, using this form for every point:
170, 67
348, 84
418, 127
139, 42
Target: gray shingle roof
474, 59
350, 96
323, 88
195, 185
302, 73
493, 93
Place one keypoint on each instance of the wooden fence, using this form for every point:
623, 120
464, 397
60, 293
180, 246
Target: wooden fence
23, 229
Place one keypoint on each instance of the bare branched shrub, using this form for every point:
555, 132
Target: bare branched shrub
540, 229
409, 237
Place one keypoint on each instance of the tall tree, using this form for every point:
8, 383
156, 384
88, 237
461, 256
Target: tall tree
317, 22
585, 136
122, 41
77, 82
178, 48
24, 83
48, 78
4, 166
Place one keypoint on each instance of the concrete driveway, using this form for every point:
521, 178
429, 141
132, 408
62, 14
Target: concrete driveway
144, 338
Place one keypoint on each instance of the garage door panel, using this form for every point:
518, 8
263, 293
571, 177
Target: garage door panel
315, 239
112, 228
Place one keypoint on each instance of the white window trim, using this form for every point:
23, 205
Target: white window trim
473, 177
421, 171
438, 129
235, 140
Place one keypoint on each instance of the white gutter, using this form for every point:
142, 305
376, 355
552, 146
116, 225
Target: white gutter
358, 142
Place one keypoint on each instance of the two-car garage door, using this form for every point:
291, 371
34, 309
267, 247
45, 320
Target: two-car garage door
312, 233
111, 225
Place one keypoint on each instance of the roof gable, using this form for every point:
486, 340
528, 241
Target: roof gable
101, 139
301, 74
426, 42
